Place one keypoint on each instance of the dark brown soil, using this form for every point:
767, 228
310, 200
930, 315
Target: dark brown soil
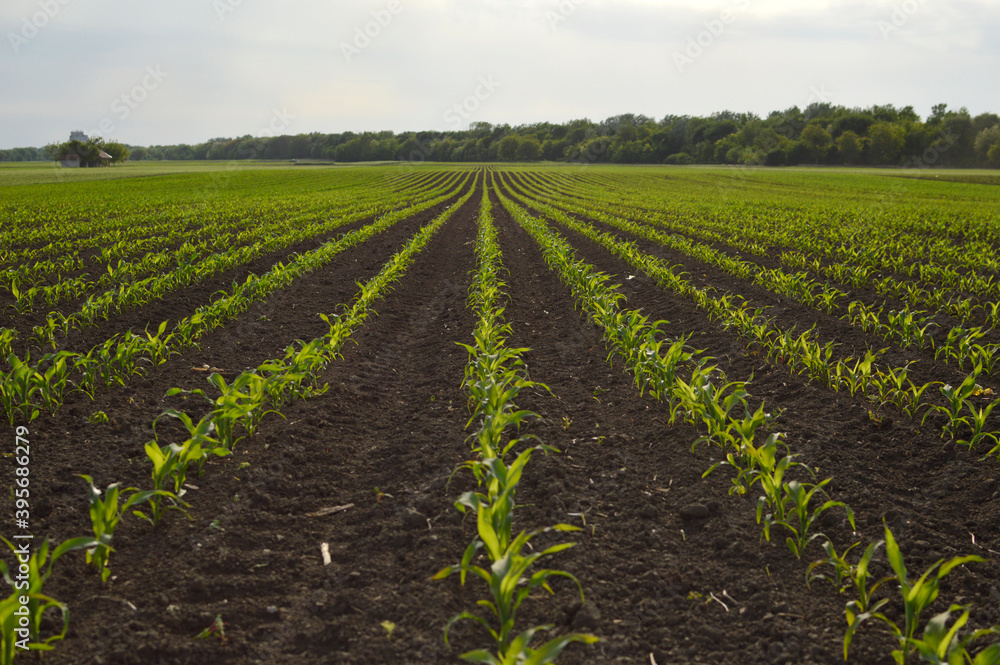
673, 568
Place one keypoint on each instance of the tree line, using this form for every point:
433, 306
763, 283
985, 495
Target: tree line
88, 152
819, 134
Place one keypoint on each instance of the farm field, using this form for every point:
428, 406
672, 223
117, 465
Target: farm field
656, 365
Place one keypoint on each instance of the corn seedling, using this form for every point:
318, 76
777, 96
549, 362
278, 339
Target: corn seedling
158, 346
17, 389
976, 421
943, 646
916, 595
957, 397
857, 378
24, 631
105, 514
240, 402
799, 518
52, 383
911, 405
510, 583
847, 576
770, 474
910, 328
7, 337
171, 462
217, 629
743, 456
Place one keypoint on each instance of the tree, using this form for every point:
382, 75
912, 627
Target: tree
855, 122
988, 145
938, 112
529, 149
507, 148
119, 153
817, 141
985, 121
88, 153
885, 141
849, 147
959, 137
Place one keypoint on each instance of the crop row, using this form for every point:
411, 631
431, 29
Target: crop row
494, 377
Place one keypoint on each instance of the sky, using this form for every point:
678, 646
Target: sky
153, 73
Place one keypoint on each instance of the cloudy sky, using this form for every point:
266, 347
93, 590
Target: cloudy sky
145, 72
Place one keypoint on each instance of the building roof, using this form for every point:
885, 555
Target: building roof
104, 155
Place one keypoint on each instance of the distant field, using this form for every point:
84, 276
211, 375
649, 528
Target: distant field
363, 331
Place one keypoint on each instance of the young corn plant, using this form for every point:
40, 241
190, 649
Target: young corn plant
799, 518
892, 386
240, 403
687, 401
45, 333
87, 370
857, 378
511, 579
657, 369
916, 596
910, 328
854, 577
171, 462
826, 299
105, 514
912, 405
943, 646
771, 469
958, 345
742, 455
158, 346
976, 421
18, 388
715, 408
864, 317
16, 635
53, 382
957, 397
7, 337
